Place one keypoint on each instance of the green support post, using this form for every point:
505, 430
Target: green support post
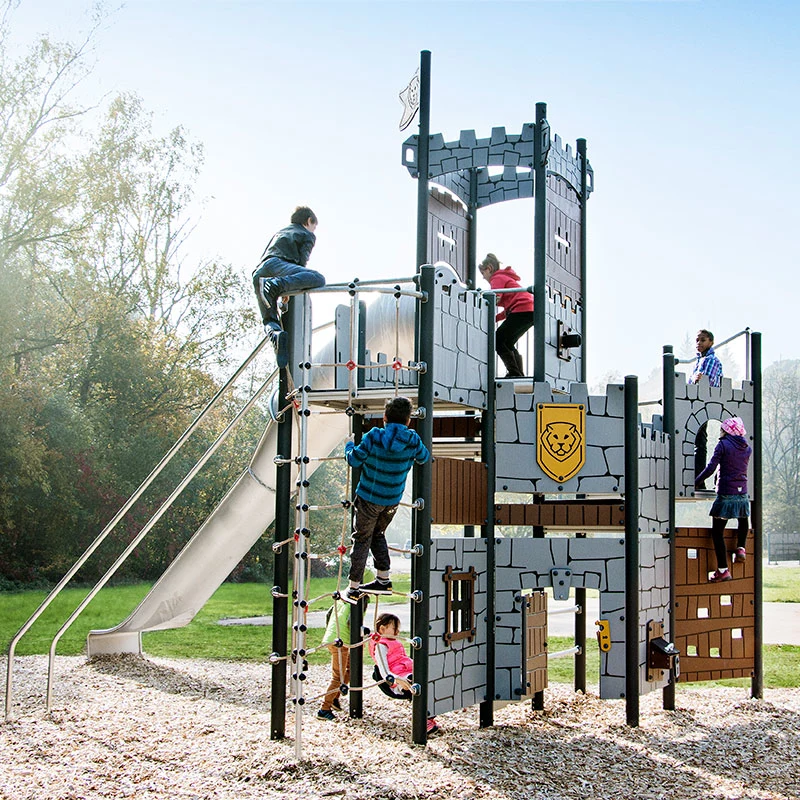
757, 683
488, 457
541, 138
668, 412
632, 550
421, 564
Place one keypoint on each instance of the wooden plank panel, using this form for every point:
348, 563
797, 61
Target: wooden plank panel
459, 492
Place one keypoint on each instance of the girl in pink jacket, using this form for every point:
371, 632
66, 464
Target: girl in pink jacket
390, 658
515, 315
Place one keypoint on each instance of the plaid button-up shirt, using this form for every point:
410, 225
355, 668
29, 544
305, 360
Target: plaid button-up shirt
708, 365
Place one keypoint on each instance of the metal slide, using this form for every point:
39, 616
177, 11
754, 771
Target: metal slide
220, 543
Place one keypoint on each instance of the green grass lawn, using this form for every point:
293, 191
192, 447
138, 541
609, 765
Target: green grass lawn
204, 637
782, 584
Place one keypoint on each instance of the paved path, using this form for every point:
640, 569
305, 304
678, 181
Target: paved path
781, 620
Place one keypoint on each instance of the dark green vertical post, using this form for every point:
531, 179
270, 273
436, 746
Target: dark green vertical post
283, 524
581, 143
472, 230
541, 137
423, 156
668, 411
580, 634
632, 550
356, 703
488, 456
472, 267
580, 593
421, 565
757, 683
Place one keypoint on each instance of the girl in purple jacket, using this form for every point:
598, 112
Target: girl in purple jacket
732, 455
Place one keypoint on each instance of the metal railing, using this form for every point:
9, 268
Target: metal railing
181, 441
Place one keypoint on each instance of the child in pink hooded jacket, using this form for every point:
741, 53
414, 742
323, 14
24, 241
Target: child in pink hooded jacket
390, 658
515, 315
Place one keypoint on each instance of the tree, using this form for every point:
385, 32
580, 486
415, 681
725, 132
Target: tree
781, 446
110, 336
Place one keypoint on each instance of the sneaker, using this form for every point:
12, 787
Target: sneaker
352, 595
720, 575
269, 293
271, 328
325, 713
377, 587
280, 342
740, 554
432, 727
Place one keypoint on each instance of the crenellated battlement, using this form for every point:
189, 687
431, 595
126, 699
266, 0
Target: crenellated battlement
513, 152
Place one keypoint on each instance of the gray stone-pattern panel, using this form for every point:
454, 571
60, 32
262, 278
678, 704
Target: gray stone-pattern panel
456, 671
460, 340
696, 404
560, 371
596, 563
514, 152
653, 602
515, 437
653, 605
653, 480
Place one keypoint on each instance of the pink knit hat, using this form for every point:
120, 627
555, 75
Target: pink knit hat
734, 426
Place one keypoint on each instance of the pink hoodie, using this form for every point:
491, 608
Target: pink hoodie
512, 303
397, 659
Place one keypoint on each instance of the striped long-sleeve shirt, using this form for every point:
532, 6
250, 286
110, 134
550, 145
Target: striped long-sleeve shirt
385, 456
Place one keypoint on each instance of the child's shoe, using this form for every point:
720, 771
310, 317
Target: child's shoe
352, 595
740, 554
721, 575
432, 727
325, 713
269, 293
376, 587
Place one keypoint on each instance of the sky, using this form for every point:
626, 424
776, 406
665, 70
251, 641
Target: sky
689, 110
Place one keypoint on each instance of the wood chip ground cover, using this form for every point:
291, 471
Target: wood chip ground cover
143, 728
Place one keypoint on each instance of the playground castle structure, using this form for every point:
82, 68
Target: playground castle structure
593, 486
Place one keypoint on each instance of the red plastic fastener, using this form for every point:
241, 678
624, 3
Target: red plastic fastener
351, 365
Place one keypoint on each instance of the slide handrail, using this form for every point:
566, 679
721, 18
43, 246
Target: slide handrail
180, 442
149, 525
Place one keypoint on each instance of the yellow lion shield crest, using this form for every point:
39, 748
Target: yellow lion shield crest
560, 439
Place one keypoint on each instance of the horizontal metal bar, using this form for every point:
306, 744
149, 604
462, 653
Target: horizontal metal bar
570, 651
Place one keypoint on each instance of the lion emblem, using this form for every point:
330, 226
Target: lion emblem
561, 439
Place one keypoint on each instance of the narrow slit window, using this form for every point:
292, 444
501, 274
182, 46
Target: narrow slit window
460, 594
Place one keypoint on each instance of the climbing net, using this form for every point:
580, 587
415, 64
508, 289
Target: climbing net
298, 403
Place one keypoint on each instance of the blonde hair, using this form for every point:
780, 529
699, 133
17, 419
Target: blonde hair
492, 261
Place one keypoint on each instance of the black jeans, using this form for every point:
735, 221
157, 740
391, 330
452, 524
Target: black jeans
508, 333
718, 537
370, 521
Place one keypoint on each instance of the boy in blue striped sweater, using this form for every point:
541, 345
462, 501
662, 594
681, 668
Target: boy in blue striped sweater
385, 456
